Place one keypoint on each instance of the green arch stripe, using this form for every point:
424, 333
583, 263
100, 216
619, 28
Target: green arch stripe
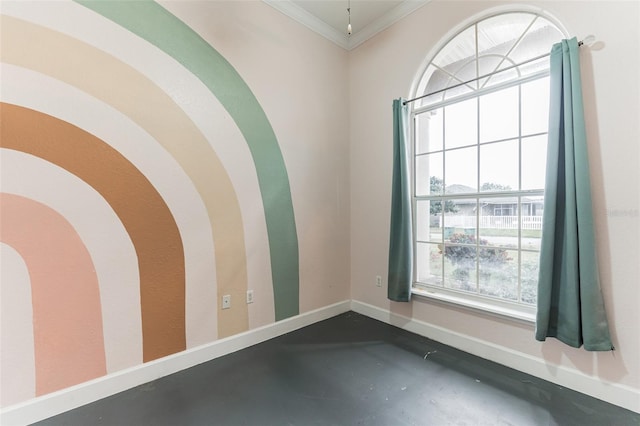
158, 26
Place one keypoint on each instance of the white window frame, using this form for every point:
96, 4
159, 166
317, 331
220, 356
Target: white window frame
474, 301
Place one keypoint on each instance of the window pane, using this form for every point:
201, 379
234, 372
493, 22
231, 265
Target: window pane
499, 34
502, 76
487, 65
429, 220
531, 218
460, 264
499, 166
465, 74
499, 221
429, 127
429, 264
460, 218
499, 115
534, 161
422, 220
432, 80
535, 107
461, 124
461, 166
498, 272
429, 174
529, 269
455, 53
457, 91
537, 41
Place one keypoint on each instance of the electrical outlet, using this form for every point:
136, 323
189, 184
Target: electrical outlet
249, 296
378, 281
226, 301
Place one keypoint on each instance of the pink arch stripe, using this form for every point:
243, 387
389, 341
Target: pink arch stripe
67, 318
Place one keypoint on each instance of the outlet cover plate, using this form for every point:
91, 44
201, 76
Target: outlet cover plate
226, 301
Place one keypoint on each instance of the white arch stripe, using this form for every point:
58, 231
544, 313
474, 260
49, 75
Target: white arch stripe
109, 245
40, 92
17, 353
199, 104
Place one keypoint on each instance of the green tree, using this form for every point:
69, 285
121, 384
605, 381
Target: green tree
437, 187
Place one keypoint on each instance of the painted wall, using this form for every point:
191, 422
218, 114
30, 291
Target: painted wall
149, 166
384, 68
154, 157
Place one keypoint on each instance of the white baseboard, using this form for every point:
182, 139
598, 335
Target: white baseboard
614, 393
67, 399
58, 402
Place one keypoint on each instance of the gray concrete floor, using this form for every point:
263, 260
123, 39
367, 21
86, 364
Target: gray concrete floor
349, 370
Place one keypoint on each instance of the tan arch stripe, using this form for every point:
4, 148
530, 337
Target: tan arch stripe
142, 211
117, 84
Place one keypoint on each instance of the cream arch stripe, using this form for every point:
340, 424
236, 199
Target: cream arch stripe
80, 205
122, 87
152, 22
111, 250
17, 361
155, 236
67, 318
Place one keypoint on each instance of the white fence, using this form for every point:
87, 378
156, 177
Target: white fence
494, 222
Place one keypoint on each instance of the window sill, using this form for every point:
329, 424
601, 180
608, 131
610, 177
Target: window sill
475, 304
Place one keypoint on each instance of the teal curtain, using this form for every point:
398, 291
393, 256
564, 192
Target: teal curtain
570, 304
401, 233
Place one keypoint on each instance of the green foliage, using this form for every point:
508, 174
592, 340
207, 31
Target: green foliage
437, 187
465, 256
461, 274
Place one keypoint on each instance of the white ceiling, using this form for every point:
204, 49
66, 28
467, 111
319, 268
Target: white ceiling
334, 12
329, 18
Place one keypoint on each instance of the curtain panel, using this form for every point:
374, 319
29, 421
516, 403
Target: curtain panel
570, 303
401, 232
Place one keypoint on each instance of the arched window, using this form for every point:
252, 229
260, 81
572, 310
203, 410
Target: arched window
480, 133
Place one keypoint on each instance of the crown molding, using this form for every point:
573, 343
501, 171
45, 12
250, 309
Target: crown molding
300, 15
385, 21
297, 13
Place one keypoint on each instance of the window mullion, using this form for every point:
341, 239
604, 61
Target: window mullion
478, 115
414, 205
519, 197
443, 203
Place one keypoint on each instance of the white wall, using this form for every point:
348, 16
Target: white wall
301, 81
151, 109
330, 110
384, 68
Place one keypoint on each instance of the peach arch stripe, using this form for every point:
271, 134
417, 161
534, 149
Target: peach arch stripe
67, 319
142, 211
117, 84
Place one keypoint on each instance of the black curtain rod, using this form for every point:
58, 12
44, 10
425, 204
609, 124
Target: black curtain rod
580, 43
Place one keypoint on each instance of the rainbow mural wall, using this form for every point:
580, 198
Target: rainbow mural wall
135, 162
